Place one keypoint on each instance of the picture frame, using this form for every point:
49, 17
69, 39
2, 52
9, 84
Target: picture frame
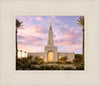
9, 76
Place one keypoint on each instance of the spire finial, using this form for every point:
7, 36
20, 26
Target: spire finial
50, 22
50, 26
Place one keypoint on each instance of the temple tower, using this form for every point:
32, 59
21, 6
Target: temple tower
50, 49
50, 36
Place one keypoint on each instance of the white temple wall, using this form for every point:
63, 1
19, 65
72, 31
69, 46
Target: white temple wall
71, 56
36, 54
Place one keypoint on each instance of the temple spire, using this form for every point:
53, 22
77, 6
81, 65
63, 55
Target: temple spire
50, 36
50, 23
50, 26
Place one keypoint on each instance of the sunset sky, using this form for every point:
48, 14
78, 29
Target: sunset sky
33, 36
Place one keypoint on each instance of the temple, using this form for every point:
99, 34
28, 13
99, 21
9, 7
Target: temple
50, 53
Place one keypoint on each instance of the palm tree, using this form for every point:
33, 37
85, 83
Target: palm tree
18, 25
21, 53
25, 54
81, 24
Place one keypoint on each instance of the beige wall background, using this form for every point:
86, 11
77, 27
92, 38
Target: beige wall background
90, 76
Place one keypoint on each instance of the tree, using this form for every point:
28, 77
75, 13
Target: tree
41, 61
29, 59
77, 60
78, 56
81, 24
18, 25
25, 54
63, 59
36, 59
21, 53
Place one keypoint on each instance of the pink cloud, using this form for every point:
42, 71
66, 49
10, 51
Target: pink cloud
71, 29
24, 19
74, 47
69, 38
33, 37
53, 17
38, 18
32, 31
24, 47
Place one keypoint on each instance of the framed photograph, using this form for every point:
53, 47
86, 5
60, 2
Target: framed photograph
37, 39
49, 43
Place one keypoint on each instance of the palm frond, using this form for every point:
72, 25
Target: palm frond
81, 21
18, 23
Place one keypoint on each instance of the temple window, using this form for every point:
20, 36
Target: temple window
59, 57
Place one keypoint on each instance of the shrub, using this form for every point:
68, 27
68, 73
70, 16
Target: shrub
62, 67
38, 60
32, 68
58, 67
80, 67
78, 59
68, 68
29, 57
63, 59
68, 62
42, 67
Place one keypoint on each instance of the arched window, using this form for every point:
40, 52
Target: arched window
50, 56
